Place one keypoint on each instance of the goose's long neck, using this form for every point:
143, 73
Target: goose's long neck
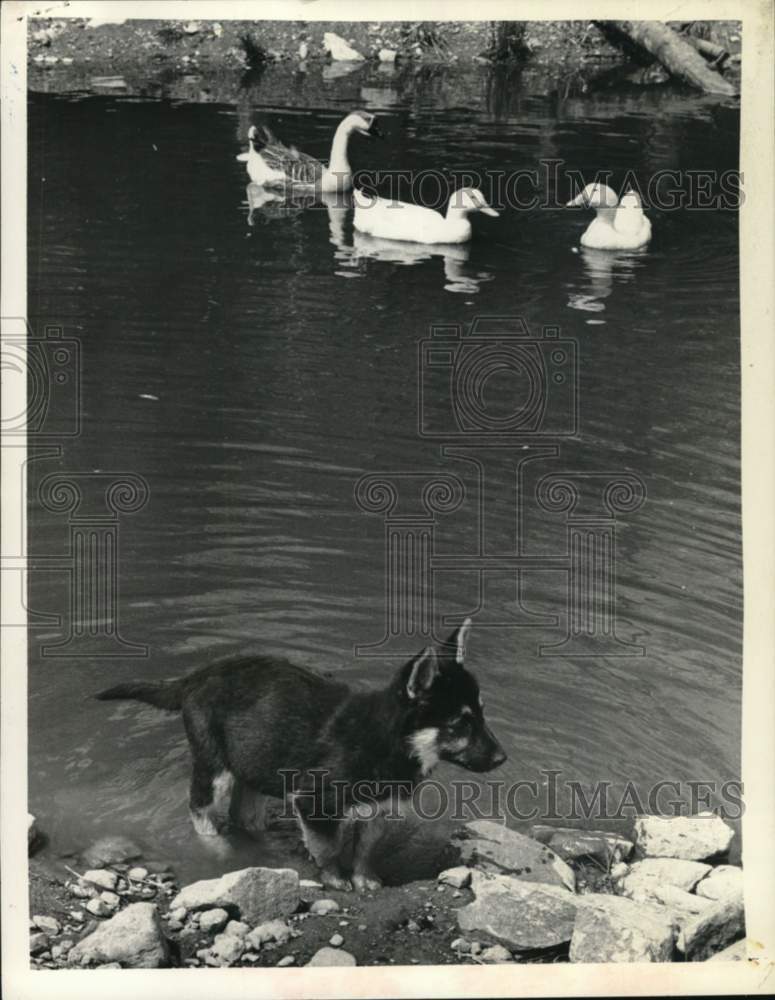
339, 164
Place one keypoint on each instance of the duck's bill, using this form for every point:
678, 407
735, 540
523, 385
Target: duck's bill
373, 131
486, 210
575, 202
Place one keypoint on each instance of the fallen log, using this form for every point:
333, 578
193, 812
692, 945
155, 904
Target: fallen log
675, 53
716, 55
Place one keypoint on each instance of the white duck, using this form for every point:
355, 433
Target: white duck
618, 225
396, 220
271, 164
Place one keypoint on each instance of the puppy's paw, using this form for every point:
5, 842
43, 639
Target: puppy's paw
333, 880
366, 883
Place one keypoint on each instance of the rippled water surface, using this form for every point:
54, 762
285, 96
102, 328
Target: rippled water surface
253, 373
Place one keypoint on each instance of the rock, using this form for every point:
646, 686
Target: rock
412, 926
137, 874
309, 883
179, 913
285, 961
571, 844
492, 847
213, 920
619, 870
458, 878
612, 929
726, 880
237, 927
174, 925
336, 940
110, 899
38, 943
102, 877
339, 49
132, 937
683, 906
332, 956
736, 952
226, 949
461, 945
271, 930
476, 948
108, 965
78, 916
644, 875
47, 924
256, 893
713, 930
692, 838
81, 891
322, 907
98, 907
496, 953
522, 915
109, 850
387, 55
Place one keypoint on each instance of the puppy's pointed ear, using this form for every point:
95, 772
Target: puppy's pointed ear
453, 651
424, 670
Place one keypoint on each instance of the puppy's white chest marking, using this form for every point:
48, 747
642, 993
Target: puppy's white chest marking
424, 746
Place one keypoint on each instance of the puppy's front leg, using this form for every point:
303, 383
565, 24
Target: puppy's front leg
325, 838
367, 834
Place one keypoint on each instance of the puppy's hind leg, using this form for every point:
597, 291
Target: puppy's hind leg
209, 798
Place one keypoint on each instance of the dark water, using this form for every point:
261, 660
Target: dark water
252, 374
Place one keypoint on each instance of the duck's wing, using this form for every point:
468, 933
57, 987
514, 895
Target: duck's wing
298, 167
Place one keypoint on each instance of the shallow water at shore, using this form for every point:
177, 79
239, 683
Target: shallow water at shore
253, 373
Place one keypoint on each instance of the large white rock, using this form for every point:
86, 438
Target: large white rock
103, 877
645, 875
570, 844
213, 920
713, 930
683, 906
492, 847
332, 956
257, 894
133, 937
726, 880
339, 49
692, 838
270, 931
458, 878
521, 915
612, 929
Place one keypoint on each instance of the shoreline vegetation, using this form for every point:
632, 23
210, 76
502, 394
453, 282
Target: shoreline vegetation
664, 893
215, 60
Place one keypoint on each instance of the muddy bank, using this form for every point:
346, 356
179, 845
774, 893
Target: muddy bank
217, 60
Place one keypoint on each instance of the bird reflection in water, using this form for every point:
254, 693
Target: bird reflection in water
601, 270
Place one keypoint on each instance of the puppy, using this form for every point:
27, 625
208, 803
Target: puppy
254, 722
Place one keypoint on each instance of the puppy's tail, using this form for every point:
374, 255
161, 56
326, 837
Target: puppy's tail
167, 695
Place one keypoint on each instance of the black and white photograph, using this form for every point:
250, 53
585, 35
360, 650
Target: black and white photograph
387, 479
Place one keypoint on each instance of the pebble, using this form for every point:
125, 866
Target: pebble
309, 883
47, 924
78, 915
137, 874
286, 960
363, 927
412, 925
458, 878
496, 953
110, 899
237, 927
213, 920
103, 877
322, 907
80, 891
38, 943
179, 913
336, 941
175, 925
98, 907
619, 870
476, 948
461, 945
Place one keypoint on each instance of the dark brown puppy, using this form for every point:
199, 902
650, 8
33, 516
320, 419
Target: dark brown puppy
341, 755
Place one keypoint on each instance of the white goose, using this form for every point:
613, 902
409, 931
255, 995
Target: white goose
618, 225
396, 220
272, 164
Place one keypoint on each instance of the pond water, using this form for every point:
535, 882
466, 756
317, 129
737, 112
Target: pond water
252, 370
